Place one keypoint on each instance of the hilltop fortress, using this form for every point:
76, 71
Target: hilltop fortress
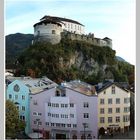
53, 29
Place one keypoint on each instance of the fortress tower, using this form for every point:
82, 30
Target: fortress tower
49, 28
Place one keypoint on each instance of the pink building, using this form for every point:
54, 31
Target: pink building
68, 111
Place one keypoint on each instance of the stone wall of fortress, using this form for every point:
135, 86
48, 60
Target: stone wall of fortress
87, 38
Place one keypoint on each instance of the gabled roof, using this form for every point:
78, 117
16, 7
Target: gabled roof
59, 19
108, 84
79, 86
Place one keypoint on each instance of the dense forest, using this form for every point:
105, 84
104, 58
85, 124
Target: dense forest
15, 45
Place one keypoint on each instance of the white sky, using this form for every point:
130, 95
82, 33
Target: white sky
105, 18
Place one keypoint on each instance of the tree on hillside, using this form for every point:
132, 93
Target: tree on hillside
13, 124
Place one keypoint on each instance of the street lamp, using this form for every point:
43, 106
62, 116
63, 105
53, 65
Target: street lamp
84, 125
38, 126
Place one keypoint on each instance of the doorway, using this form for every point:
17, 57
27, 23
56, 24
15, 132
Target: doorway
60, 136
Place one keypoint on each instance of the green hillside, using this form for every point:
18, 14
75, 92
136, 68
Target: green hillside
70, 60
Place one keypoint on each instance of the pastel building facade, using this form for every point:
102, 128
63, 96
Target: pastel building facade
113, 108
68, 111
18, 92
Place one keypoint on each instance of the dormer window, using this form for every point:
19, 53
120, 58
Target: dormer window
63, 94
57, 93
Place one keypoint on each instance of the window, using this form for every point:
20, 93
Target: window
117, 100
104, 91
17, 107
126, 109
49, 104
23, 118
49, 114
16, 88
109, 101
126, 100
71, 105
62, 105
66, 105
23, 97
38, 32
23, 108
117, 119
57, 105
68, 125
85, 125
34, 113
109, 119
126, 118
63, 94
57, 124
113, 89
35, 102
52, 124
66, 116
57, 93
102, 120
63, 125
53, 31
86, 115
101, 101
47, 123
86, 105
72, 115
39, 123
10, 96
109, 110
39, 114
117, 110
35, 122
101, 110
16, 97
74, 125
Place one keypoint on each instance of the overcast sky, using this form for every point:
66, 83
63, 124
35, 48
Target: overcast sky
105, 18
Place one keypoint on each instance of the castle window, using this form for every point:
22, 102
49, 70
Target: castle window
53, 31
38, 32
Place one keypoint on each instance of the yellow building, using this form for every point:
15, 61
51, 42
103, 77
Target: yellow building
113, 108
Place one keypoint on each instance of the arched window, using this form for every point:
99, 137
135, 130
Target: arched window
16, 88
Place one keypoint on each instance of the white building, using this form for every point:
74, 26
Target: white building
49, 28
69, 111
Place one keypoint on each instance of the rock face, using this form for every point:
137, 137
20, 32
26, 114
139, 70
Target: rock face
86, 64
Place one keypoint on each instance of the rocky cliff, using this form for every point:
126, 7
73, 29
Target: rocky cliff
70, 60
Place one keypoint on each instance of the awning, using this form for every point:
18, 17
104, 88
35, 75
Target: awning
35, 135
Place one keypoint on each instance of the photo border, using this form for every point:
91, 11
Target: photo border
2, 62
